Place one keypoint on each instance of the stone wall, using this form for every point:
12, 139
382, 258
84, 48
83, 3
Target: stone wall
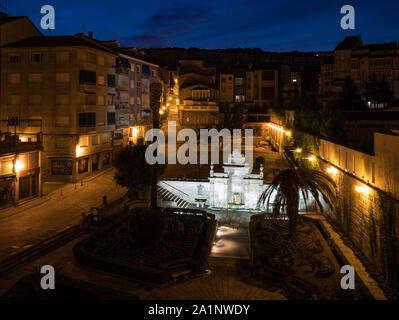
366, 214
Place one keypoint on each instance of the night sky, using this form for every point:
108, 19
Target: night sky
282, 25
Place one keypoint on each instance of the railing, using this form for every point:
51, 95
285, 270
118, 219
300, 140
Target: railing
176, 192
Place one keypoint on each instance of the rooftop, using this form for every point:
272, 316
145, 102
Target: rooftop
59, 41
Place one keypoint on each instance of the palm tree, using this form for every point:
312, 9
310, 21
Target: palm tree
289, 184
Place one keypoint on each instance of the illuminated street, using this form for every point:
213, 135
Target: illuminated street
21, 228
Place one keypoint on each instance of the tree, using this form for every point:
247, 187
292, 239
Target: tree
378, 91
132, 170
350, 99
287, 187
332, 125
155, 101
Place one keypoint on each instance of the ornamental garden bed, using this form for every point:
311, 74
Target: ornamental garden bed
151, 245
306, 266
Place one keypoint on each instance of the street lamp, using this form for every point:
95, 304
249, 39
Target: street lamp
332, 171
19, 166
362, 189
79, 151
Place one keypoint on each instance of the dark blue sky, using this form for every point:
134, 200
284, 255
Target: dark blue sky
282, 25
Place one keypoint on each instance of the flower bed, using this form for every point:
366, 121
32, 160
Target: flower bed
305, 267
150, 245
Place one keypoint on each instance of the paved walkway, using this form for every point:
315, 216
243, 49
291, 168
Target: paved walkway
25, 225
228, 277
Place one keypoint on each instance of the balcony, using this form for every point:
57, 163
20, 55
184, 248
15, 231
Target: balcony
197, 105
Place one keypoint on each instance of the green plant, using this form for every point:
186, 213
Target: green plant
287, 187
132, 170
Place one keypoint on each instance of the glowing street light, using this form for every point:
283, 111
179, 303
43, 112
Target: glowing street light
298, 150
79, 151
19, 166
135, 131
312, 158
161, 112
332, 171
288, 133
363, 189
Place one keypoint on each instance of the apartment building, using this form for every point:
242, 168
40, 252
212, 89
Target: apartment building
69, 83
257, 87
20, 164
134, 77
198, 95
15, 29
362, 63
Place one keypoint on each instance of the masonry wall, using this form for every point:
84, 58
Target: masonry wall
367, 211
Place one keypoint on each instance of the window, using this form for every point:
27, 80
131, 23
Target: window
61, 99
138, 84
146, 85
111, 80
146, 69
90, 99
61, 57
138, 68
123, 82
87, 119
131, 84
36, 58
110, 118
87, 77
83, 165
62, 77
201, 94
14, 58
101, 80
153, 73
14, 78
132, 67
110, 99
35, 99
35, 77
100, 100
240, 81
14, 99
239, 98
138, 100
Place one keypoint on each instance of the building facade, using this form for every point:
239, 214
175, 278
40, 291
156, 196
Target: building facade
20, 164
67, 82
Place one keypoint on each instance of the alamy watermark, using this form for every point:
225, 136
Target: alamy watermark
187, 153
48, 20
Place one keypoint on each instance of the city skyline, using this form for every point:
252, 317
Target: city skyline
208, 25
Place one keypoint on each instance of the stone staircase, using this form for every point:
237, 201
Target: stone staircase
166, 195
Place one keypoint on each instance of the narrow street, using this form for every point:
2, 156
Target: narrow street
36, 220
